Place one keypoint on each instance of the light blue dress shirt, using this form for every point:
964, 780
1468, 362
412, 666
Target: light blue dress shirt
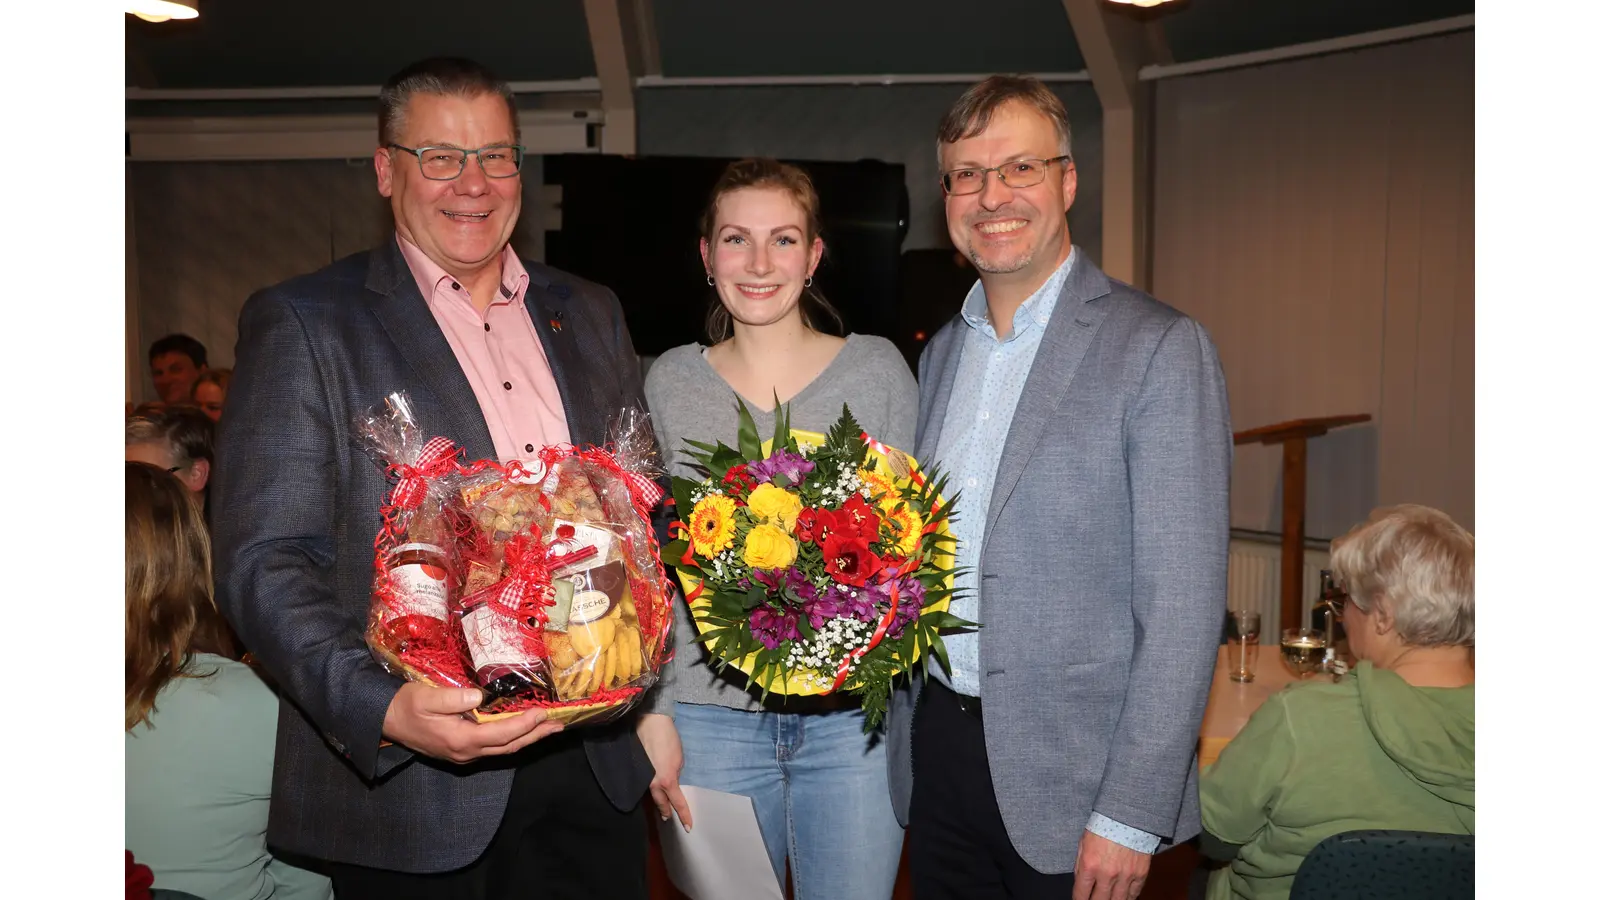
983, 399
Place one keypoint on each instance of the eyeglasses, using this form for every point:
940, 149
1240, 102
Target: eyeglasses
1337, 600
447, 163
1019, 174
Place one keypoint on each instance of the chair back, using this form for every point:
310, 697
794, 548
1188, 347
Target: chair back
1380, 865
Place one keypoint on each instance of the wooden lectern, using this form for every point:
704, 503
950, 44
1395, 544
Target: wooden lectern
1293, 436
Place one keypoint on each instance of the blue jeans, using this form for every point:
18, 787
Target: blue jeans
820, 789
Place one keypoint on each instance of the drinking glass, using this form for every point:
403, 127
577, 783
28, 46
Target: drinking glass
1303, 649
1244, 643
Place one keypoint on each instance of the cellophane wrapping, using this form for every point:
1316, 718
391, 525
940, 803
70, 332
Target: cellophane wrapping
556, 594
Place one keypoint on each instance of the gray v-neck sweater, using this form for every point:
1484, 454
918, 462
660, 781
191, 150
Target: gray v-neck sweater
688, 399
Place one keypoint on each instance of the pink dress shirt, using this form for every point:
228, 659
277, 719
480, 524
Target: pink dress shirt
500, 353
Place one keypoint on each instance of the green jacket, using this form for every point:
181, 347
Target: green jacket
1320, 759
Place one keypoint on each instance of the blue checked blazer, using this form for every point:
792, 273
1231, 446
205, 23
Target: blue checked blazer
1104, 571
295, 505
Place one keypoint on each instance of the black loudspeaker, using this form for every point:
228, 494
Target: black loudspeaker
633, 225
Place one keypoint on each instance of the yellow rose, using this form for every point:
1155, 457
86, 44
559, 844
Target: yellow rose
769, 547
711, 525
775, 506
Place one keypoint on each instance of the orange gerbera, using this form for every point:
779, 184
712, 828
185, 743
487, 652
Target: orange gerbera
711, 526
904, 526
881, 485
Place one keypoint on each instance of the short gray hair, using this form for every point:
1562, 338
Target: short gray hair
1416, 563
445, 75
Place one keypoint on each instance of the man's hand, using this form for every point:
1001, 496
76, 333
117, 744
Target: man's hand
660, 739
429, 720
1106, 870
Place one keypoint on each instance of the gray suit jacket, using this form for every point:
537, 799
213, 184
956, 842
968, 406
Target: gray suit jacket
1104, 570
295, 506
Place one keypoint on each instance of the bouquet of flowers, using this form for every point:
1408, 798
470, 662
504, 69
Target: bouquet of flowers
537, 581
815, 563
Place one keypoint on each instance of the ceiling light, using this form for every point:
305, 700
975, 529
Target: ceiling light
162, 10
1145, 3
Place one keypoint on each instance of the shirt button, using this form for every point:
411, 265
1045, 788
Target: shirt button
527, 448
972, 482
486, 326
984, 414
508, 385
455, 285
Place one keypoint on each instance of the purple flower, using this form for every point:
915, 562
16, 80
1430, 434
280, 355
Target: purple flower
912, 596
857, 603
775, 580
771, 627
792, 466
820, 609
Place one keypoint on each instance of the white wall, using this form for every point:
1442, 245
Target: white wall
203, 236
1317, 217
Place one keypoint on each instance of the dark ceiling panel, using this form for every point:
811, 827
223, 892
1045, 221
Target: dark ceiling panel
861, 37
1204, 29
304, 43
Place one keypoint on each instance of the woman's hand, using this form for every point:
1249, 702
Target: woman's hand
660, 739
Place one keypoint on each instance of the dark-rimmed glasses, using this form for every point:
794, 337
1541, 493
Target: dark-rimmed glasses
1018, 174
447, 163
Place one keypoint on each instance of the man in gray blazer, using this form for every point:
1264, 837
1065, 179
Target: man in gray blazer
1086, 426
385, 779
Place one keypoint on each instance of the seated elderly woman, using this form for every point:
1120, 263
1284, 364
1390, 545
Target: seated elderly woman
1389, 746
178, 439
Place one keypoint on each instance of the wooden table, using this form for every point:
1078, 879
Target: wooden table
1231, 703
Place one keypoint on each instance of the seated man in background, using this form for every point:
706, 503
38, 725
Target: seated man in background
1388, 747
175, 362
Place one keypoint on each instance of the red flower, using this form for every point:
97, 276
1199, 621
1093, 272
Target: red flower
855, 519
738, 480
849, 559
805, 524
139, 878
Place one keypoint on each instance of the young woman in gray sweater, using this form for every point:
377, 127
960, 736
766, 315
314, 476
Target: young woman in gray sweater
819, 784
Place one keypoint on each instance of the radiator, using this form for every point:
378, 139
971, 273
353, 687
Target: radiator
1253, 573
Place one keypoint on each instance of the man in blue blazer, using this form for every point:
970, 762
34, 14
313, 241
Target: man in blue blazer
1086, 426
383, 779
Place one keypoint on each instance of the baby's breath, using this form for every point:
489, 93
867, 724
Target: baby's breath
827, 648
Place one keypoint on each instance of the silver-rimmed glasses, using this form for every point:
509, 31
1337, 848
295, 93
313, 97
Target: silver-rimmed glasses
1017, 174
447, 163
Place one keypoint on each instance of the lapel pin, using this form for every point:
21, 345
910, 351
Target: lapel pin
555, 323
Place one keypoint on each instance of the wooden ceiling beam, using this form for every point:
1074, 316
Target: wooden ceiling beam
1115, 45
618, 61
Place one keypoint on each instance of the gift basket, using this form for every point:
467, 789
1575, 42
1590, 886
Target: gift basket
538, 581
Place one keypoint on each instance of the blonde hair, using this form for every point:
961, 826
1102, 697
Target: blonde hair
219, 377
767, 173
170, 612
1416, 563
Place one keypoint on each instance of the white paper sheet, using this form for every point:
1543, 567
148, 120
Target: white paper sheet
724, 857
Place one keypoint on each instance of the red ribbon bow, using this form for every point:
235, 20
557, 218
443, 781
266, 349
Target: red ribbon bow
437, 458
646, 490
530, 574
